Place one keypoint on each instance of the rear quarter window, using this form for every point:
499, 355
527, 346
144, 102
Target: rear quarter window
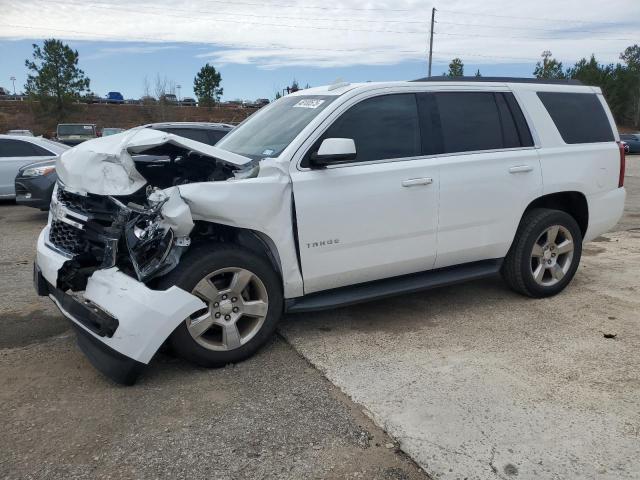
579, 117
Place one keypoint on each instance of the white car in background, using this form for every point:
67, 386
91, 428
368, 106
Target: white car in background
17, 151
22, 133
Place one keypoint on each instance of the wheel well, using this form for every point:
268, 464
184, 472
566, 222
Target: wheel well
573, 203
207, 232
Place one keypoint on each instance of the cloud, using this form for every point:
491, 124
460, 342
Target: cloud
128, 50
278, 33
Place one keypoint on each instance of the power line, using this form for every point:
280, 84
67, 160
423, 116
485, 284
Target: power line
265, 24
510, 27
314, 7
332, 28
527, 37
243, 15
540, 19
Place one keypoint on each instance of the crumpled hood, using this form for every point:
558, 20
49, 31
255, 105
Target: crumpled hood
104, 166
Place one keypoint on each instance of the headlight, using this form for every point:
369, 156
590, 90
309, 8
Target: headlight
38, 171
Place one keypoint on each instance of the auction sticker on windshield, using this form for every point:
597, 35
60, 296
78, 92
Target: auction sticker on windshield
309, 103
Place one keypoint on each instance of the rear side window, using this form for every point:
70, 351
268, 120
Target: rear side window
382, 127
39, 151
579, 117
17, 148
469, 120
472, 121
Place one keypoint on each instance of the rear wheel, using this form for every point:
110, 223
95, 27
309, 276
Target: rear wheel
243, 297
545, 253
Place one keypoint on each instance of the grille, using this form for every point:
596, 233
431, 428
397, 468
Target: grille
71, 200
67, 238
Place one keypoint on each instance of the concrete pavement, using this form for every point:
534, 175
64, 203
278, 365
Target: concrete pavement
478, 382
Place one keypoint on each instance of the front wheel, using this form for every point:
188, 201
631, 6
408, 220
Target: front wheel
243, 297
545, 253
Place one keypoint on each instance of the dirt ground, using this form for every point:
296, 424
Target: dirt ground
273, 416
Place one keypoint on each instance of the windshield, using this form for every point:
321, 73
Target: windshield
268, 132
75, 130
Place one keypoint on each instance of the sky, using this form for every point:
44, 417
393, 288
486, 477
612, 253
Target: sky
261, 46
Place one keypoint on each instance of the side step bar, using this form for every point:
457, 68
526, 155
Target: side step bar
415, 282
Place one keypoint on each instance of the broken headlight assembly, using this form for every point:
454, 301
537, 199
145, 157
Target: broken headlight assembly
152, 245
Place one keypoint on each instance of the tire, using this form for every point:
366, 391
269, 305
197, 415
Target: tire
536, 266
241, 327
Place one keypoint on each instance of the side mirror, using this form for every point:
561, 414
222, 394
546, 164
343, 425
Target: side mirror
333, 150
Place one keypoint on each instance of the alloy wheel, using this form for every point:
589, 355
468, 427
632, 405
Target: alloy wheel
552, 255
237, 306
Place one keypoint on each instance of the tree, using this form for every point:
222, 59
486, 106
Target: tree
456, 68
620, 83
631, 57
549, 68
56, 79
478, 74
206, 85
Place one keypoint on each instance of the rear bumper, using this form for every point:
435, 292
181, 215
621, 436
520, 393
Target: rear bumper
121, 323
605, 211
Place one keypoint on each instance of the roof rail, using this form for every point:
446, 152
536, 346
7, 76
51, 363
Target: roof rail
444, 78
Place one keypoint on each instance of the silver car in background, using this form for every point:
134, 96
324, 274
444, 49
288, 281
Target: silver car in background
17, 151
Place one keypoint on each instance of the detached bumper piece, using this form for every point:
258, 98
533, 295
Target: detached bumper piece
118, 367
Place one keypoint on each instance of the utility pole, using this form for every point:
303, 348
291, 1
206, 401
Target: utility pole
433, 21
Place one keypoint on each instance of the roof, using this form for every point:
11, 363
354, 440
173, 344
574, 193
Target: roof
340, 88
444, 78
203, 125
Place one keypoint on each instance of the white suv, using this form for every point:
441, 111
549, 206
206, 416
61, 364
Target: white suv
326, 197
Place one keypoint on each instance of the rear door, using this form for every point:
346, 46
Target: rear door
377, 216
13, 155
489, 173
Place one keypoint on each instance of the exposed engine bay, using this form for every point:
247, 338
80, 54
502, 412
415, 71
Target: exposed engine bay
142, 232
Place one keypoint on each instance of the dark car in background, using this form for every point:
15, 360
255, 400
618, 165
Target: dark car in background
74, 133
632, 140
114, 97
188, 102
169, 98
35, 182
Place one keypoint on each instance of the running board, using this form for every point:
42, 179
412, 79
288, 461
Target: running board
415, 282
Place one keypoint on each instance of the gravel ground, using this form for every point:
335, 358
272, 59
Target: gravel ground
276, 416
273, 416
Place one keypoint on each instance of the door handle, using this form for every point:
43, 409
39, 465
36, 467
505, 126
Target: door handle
521, 169
412, 182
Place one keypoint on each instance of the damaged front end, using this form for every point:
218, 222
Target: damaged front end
102, 216
95, 232
125, 210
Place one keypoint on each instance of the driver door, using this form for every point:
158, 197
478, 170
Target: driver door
376, 216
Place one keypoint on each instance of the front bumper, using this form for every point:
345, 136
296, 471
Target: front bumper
35, 191
121, 323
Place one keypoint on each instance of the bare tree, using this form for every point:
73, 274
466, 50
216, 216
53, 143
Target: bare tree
160, 87
146, 87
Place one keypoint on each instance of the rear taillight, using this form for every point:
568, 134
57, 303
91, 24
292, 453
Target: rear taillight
622, 165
